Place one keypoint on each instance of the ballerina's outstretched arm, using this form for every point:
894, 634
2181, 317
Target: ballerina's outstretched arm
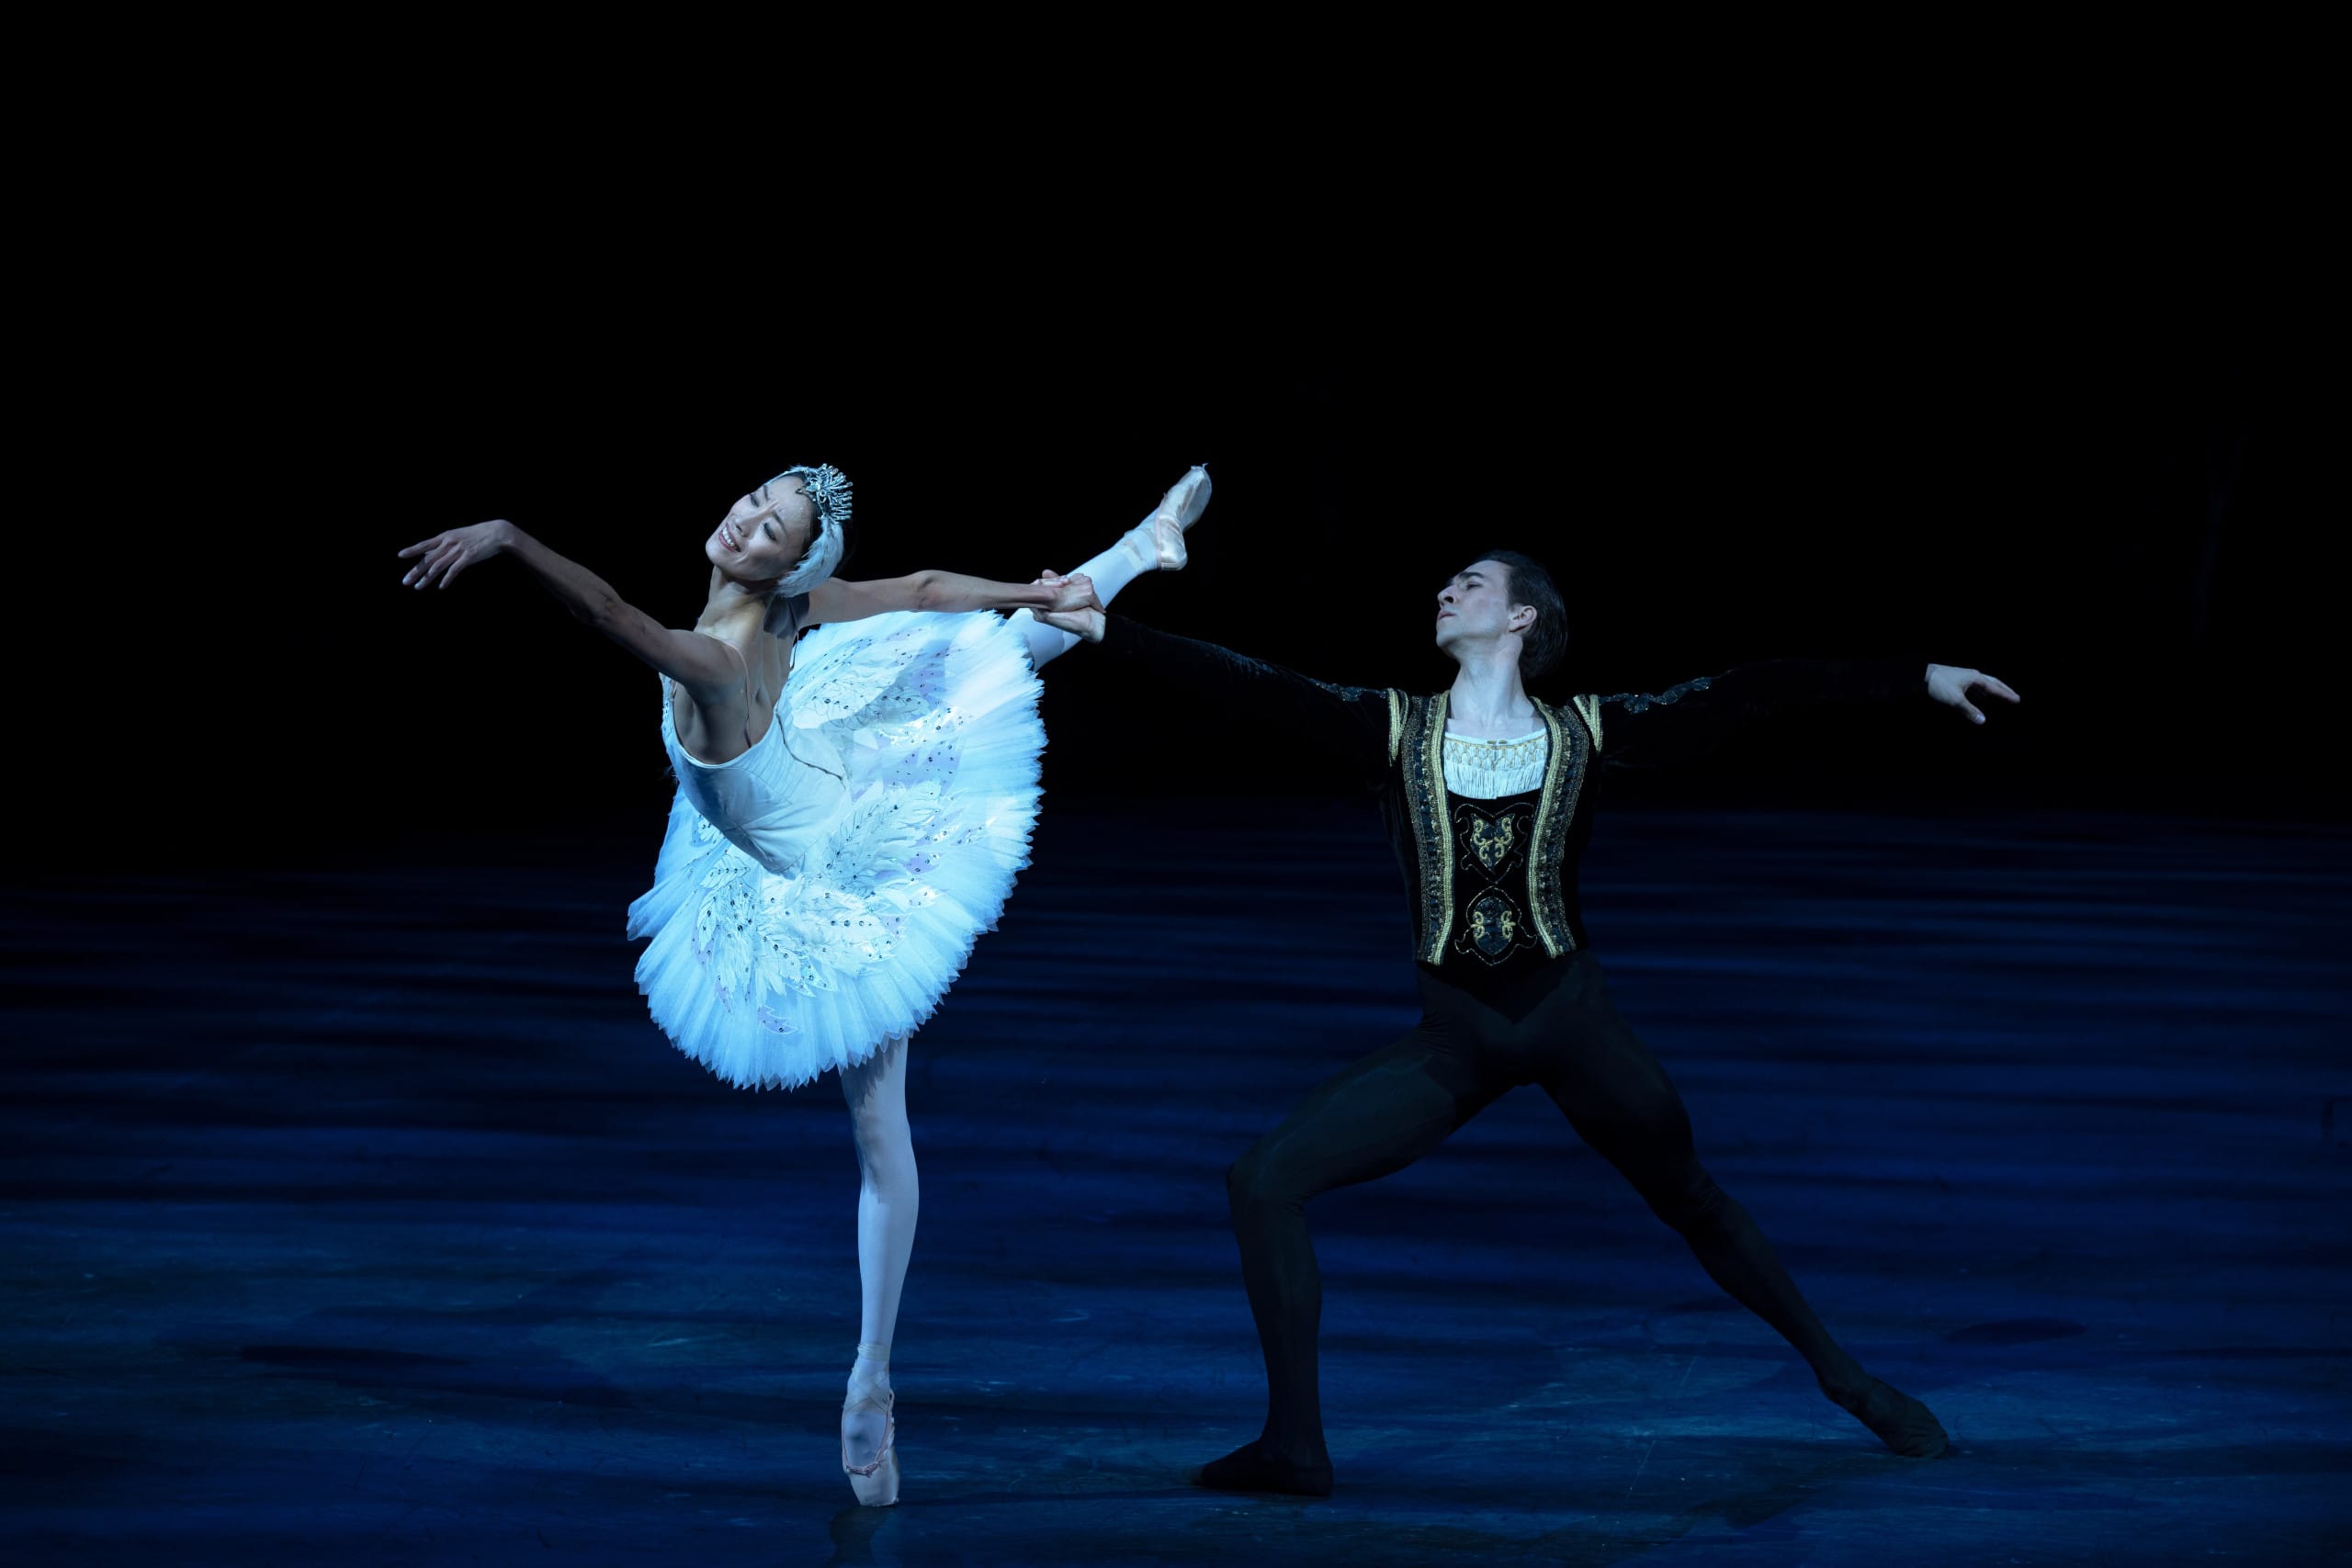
946, 592
711, 672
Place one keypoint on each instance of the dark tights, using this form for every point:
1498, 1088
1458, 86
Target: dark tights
1555, 1029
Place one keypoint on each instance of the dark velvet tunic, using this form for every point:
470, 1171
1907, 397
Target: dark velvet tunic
1493, 938
1493, 883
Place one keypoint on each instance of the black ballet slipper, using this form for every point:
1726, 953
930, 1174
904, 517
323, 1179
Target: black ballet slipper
1254, 1468
1902, 1423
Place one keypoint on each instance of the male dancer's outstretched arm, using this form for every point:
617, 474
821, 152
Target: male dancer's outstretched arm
1684, 724
1351, 727
1690, 721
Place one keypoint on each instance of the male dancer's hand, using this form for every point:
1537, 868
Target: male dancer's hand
1075, 608
1953, 686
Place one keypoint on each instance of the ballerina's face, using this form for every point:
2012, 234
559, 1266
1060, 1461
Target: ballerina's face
764, 534
1478, 603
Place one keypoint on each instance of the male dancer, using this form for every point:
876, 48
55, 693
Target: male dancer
1487, 793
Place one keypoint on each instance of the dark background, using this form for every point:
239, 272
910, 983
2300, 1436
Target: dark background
1979, 348
2117, 503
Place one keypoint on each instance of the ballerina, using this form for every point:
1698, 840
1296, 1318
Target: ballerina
852, 810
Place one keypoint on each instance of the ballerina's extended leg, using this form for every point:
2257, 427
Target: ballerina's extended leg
1156, 544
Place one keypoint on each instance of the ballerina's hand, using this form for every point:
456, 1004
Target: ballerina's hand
446, 555
1953, 686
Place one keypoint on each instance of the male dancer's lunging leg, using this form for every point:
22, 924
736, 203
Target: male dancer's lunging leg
1387, 1110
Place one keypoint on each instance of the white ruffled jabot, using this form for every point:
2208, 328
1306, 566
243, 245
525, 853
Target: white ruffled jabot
1487, 770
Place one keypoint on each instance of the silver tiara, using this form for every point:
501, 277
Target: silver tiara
826, 486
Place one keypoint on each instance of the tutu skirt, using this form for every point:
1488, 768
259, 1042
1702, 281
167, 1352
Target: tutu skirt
769, 971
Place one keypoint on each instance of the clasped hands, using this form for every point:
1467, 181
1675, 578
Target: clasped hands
1075, 608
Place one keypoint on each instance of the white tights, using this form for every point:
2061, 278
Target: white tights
887, 1198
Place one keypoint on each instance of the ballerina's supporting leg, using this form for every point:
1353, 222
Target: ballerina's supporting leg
887, 1198
1156, 544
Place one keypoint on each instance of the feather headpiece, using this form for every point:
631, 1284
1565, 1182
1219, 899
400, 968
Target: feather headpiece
827, 488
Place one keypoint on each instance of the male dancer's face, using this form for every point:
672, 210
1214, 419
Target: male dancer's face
1476, 607
764, 534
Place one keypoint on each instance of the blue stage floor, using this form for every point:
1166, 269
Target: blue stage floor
363, 1218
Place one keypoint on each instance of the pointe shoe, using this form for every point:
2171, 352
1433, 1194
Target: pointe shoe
874, 1484
1179, 510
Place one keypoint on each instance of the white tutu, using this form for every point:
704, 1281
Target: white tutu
903, 761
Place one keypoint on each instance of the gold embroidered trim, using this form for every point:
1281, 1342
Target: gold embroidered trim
1542, 854
1562, 786
1433, 764
1588, 710
1490, 838
1424, 747
1493, 927
1395, 724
